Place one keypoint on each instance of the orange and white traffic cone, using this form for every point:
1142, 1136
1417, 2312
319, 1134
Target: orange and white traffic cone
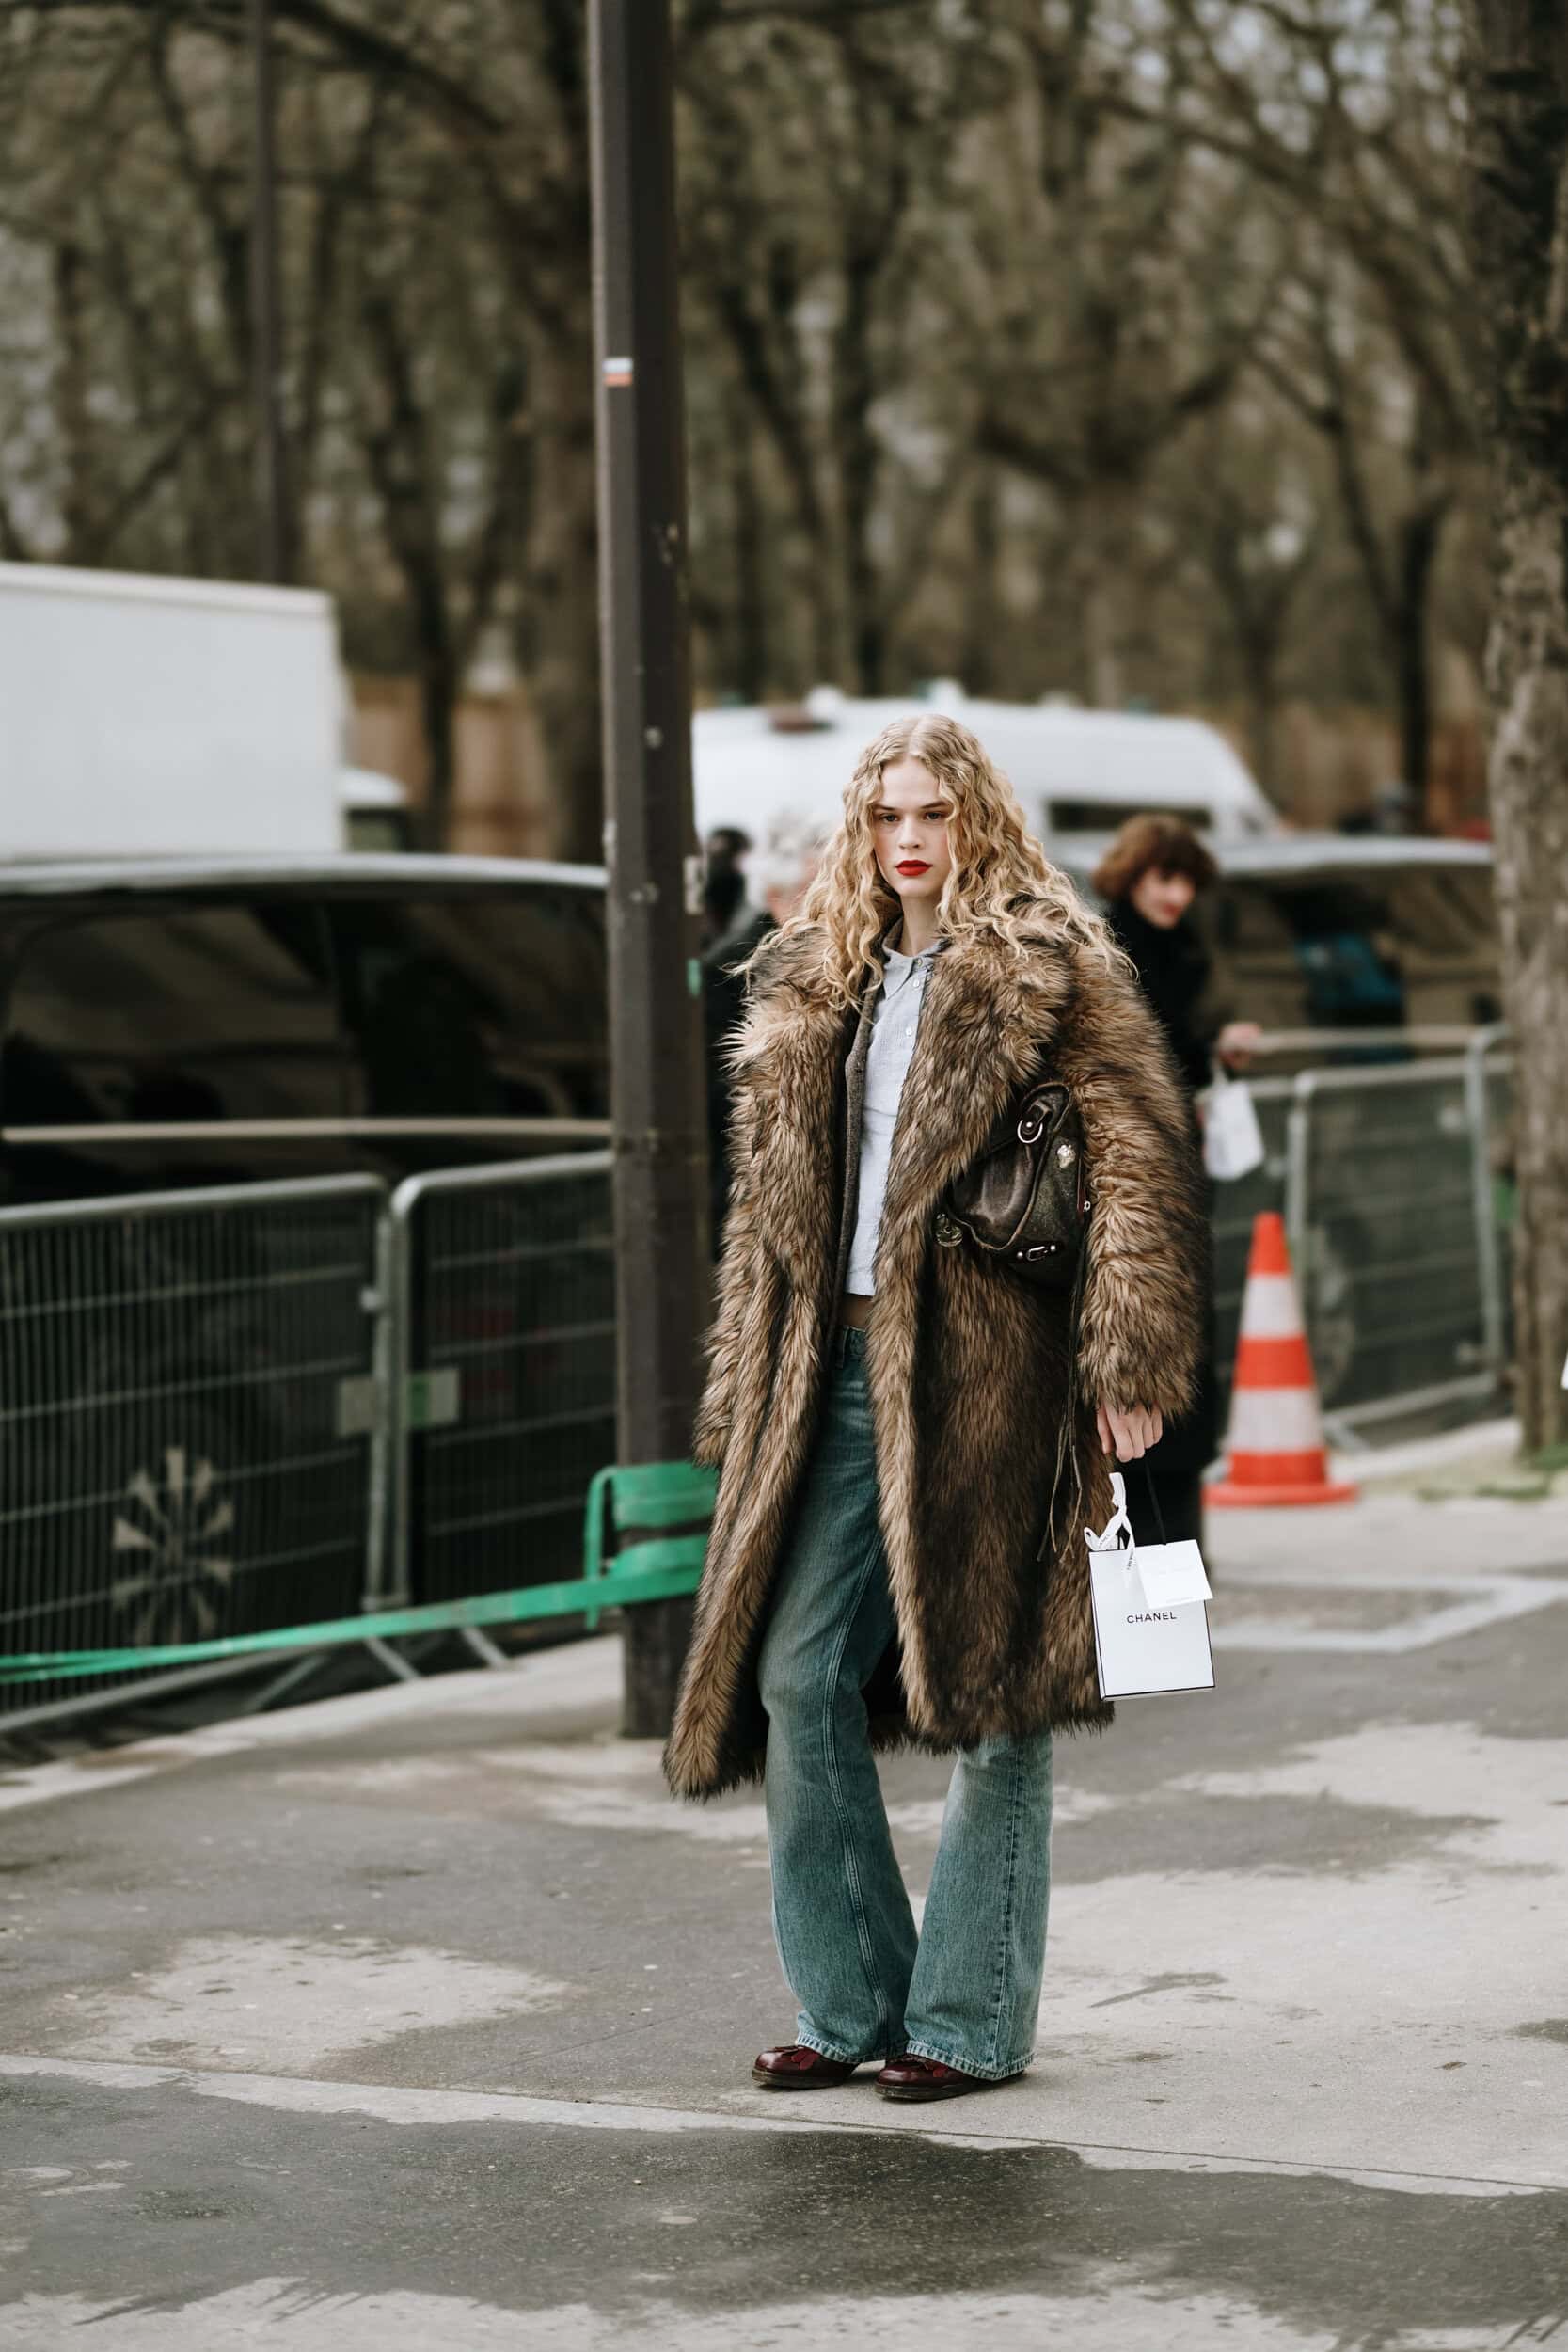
1274, 1448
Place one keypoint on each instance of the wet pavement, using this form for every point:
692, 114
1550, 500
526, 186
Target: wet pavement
424, 2016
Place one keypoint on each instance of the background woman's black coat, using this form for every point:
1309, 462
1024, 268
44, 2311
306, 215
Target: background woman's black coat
1173, 973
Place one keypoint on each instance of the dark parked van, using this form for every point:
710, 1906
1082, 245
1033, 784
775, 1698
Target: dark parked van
181, 1022
184, 1022
182, 1434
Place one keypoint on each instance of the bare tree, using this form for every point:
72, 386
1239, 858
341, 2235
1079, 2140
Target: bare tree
969, 284
1121, 286
1249, 520
1348, 111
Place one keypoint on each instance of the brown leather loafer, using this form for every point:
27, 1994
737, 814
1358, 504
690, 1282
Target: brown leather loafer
793, 2066
926, 2078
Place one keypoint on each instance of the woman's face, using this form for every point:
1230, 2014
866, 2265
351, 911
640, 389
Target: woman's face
909, 831
1162, 897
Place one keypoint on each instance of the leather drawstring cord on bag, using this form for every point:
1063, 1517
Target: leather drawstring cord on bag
1067, 1434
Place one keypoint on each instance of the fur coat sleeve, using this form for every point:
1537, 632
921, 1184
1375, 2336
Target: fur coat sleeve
1141, 1333
711, 1428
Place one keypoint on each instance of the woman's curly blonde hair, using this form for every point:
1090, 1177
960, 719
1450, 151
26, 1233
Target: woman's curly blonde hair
1001, 882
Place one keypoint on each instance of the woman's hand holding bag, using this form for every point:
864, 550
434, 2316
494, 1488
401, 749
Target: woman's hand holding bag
1129, 1431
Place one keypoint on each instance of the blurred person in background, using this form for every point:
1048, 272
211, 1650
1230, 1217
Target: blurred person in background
723, 879
772, 884
1149, 878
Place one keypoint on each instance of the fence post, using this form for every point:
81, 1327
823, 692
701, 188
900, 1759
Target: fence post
1298, 1180
1489, 1260
378, 1302
401, 1213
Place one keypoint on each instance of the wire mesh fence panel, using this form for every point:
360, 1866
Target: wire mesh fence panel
1390, 1267
1232, 1209
186, 1410
510, 1290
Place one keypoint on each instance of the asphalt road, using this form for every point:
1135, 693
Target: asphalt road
426, 2017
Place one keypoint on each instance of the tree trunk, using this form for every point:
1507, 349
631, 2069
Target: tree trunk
1102, 538
563, 654
1104, 681
983, 605
1419, 538
72, 397
1518, 91
1262, 700
438, 690
747, 663
858, 454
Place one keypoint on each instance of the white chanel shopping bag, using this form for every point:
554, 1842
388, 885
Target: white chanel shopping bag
1150, 1626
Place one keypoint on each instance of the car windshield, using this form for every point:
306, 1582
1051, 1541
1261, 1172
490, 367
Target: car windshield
1382, 947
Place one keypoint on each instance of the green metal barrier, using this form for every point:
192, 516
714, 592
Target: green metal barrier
641, 1495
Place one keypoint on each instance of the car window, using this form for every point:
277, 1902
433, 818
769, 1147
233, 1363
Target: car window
1381, 948
473, 1007
198, 1015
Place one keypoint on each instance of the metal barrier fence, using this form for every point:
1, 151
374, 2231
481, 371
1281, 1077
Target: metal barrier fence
1382, 1224
229, 1412
1386, 1176
191, 1440
503, 1284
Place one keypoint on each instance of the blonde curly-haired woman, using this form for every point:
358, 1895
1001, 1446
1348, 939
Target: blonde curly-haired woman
895, 1557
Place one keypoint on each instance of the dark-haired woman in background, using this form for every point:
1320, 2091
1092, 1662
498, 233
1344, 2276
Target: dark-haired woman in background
1148, 877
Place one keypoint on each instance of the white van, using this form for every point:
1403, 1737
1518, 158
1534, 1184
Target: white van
142, 716
1078, 773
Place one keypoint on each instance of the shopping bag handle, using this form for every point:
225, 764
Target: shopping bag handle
1120, 1512
1154, 1500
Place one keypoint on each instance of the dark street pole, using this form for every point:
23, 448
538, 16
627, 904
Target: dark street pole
273, 560
658, 1101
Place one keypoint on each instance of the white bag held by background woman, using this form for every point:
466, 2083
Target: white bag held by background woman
1232, 1140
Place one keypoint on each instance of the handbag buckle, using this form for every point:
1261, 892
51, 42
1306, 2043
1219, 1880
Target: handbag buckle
1031, 1127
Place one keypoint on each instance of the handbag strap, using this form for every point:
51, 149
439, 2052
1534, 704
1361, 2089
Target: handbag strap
1067, 1434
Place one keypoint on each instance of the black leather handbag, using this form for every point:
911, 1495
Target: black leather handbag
1024, 1202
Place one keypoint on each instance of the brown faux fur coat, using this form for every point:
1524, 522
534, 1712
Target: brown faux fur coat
967, 1364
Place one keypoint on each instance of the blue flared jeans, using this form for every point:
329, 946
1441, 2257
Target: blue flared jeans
966, 1989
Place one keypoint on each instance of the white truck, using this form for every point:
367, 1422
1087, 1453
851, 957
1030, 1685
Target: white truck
1078, 773
141, 716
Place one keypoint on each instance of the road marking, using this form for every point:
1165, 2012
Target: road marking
411, 2108
1483, 1601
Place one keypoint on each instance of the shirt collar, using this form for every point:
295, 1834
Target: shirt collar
899, 964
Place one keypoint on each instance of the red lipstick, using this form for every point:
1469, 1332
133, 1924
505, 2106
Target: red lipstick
913, 865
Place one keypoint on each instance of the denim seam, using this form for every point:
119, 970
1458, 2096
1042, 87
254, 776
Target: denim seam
857, 1895
1014, 1778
